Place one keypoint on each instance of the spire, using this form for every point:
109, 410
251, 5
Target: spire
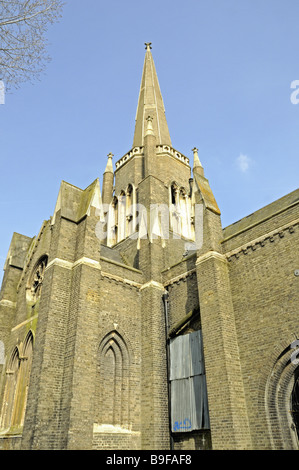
150, 102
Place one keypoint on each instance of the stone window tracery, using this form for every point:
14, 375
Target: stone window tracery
36, 279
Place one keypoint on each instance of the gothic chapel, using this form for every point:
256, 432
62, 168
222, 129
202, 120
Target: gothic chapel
134, 320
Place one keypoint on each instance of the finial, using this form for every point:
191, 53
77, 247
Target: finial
196, 158
109, 166
148, 46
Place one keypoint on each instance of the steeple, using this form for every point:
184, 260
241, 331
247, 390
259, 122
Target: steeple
150, 102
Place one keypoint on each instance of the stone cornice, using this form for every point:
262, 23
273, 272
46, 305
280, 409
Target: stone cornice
136, 151
245, 229
260, 241
180, 277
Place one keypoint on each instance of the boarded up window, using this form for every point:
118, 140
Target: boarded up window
189, 404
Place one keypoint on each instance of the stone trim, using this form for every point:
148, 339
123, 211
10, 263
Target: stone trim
60, 262
116, 278
210, 254
154, 284
166, 149
128, 156
95, 264
111, 429
24, 323
7, 303
260, 241
87, 262
107, 260
258, 222
180, 277
69, 265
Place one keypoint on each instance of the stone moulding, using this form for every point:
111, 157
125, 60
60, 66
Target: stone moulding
111, 429
116, 278
180, 277
31, 319
133, 152
261, 241
161, 149
69, 265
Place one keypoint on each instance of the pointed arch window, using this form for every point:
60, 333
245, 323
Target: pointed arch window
12, 374
129, 210
16, 387
181, 212
113, 382
121, 216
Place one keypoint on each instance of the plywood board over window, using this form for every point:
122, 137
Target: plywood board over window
189, 403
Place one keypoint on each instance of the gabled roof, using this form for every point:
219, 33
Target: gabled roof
74, 203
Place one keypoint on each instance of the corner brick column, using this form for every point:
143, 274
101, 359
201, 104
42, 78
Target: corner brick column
227, 406
81, 353
154, 397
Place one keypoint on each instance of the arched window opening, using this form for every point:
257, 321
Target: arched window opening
112, 222
175, 219
173, 195
25, 371
112, 383
121, 216
181, 212
129, 211
12, 374
188, 390
17, 384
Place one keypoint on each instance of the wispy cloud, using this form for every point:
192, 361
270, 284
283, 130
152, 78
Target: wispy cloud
243, 162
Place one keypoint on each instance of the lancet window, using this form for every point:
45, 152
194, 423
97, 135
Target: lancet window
16, 386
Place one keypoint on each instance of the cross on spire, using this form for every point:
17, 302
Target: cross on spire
148, 46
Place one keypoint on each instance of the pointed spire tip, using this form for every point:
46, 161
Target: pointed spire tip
150, 101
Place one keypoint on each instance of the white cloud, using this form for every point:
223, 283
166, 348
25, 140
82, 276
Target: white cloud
243, 162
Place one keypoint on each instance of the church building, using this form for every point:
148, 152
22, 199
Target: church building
133, 320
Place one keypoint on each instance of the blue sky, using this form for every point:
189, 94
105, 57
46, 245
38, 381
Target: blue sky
225, 69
